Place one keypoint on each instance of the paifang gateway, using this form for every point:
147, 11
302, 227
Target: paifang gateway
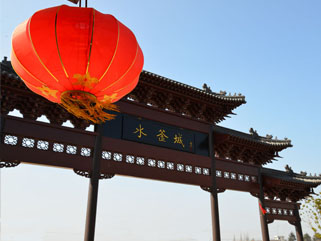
166, 131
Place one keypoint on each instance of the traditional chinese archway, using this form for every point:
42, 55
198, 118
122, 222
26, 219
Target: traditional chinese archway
170, 134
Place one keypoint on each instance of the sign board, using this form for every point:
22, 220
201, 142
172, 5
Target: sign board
155, 133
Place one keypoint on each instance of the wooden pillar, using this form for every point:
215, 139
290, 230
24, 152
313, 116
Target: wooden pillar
215, 218
298, 228
264, 224
93, 188
214, 199
2, 123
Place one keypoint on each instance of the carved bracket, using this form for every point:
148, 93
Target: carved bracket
293, 223
254, 194
4, 164
87, 174
209, 189
270, 221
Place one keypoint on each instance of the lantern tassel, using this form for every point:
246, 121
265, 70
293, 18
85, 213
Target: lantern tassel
85, 105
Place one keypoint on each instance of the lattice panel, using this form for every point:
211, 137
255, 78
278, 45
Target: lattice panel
71, 149
161, 164
240, 177
279, 211
46, 145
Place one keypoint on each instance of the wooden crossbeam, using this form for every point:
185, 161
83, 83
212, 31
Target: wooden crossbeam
46, 144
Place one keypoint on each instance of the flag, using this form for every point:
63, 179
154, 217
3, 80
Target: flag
262, 209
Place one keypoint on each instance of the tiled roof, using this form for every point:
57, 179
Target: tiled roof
292, 177
254, 137
193, 90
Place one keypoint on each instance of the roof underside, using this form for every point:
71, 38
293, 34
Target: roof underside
248, 148
288, 185
190, 102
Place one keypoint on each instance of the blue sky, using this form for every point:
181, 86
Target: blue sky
269, 51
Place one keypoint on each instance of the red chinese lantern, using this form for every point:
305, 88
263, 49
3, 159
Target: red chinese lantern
77, 57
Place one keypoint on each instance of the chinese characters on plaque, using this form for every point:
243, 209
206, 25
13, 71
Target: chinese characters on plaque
150, 132
155, 133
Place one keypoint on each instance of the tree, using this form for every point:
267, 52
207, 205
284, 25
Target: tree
312, 211
316, 239
307, 237
247, 238
291, 237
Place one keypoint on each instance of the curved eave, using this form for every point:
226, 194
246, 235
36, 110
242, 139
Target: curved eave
190, 90
251, 140
248, 148
292, 177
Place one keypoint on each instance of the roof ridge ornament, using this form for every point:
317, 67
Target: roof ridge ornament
289, 169
269, 136
302, 173
254, 133
207, 89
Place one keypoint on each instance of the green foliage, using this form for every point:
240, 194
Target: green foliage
291, 237
312, 211
316, 239
307, 237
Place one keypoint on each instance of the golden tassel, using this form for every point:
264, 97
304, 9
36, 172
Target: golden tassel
86, 106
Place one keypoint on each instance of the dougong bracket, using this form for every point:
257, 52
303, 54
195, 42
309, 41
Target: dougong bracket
4, 164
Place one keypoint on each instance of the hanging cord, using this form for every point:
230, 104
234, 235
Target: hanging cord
85, 3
